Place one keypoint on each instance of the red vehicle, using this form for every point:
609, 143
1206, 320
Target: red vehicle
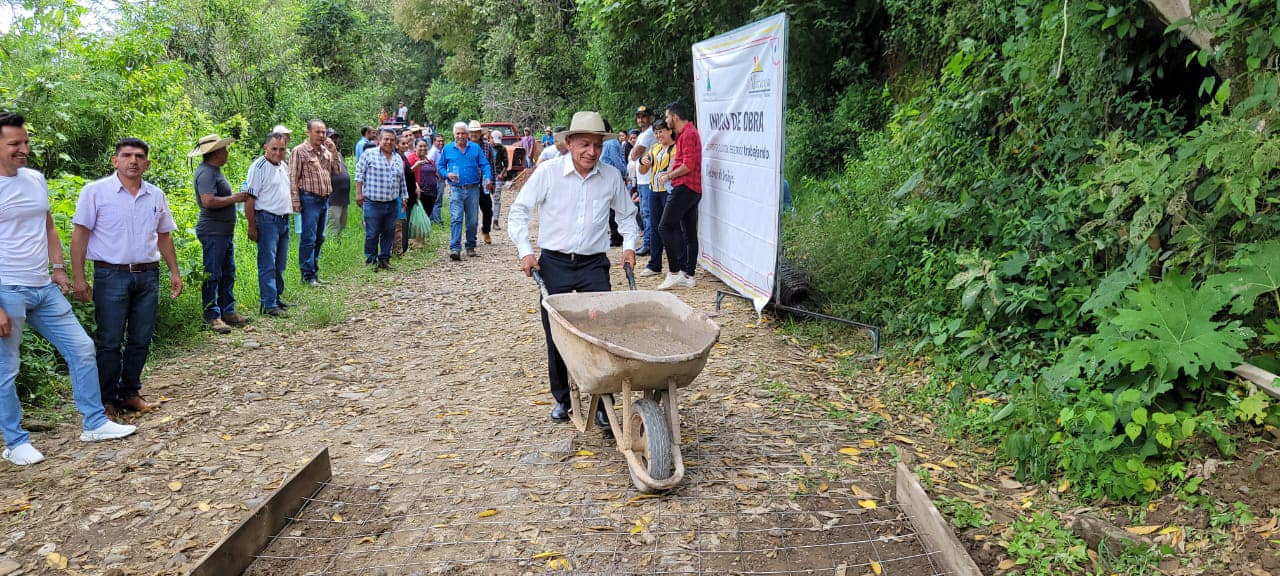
516, 155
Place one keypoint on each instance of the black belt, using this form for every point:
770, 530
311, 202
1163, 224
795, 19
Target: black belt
570, 256
144, 267
301, 191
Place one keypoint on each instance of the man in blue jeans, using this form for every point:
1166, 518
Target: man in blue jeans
380, 193
311, 167
30, 295
215, 229
266, 212
123, 225
465, 168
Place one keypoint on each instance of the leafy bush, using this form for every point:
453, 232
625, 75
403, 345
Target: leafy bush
1068, 229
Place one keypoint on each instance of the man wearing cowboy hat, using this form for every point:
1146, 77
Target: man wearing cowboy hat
123, 224
573, 195
481, 137
215, 229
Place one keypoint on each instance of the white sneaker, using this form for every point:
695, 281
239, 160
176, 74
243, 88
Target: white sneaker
646, 272
108, 431
686, 281
671, 282
23, 454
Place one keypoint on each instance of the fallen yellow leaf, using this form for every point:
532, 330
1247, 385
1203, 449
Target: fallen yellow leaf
1170, 530
175, 486
808, 460
1142, 530
875, 568
869, 443
56, 561
1006, 564
949, 462
850, 451
225, 436
547, 554
868, 504
584, 453
487, 513
368, 540
203, 506
903, 439
337, 517
860, 493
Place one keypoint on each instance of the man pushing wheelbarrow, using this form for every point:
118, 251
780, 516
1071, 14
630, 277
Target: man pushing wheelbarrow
636, 346
572, 195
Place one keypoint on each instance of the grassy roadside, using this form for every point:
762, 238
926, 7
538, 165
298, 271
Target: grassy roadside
180, 329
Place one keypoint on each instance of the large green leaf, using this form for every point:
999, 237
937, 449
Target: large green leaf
1257, 273
1169, 326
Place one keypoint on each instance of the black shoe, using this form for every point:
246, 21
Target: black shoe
643, 252
560, 413
278, 312
283, 304
312, 282
455, 256
471, 252
385, 266
602, 420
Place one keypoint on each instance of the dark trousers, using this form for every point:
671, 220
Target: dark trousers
562, 275
657, 205
124, 306
218, 292
486, 211
679, 229
379, 230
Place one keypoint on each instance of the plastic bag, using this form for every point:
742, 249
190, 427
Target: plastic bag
419, 223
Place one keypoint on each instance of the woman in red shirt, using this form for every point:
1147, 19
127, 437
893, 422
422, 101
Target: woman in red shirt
679, 225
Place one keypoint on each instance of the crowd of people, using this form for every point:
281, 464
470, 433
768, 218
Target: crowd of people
590, 190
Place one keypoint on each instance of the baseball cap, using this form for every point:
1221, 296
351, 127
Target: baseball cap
644, 111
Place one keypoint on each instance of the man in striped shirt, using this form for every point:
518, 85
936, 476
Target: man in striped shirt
380, 192
310, 168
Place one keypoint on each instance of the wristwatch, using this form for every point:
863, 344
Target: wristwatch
58, 266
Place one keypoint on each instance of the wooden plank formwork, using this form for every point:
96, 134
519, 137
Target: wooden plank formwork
237, 550
932, 528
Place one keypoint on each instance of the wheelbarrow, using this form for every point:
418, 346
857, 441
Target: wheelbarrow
639, 347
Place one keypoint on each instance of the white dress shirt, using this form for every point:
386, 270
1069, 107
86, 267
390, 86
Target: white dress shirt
573, 211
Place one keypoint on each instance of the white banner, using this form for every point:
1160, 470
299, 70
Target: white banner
740, 86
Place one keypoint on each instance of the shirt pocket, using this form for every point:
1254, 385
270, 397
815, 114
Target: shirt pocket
112, 216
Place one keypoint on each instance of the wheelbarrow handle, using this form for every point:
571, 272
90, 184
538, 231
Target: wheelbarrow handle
631, 275
541, 284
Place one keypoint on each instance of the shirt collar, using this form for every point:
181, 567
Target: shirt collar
141, 189
570, 169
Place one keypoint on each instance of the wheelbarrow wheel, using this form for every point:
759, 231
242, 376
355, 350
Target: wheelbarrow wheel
651, 441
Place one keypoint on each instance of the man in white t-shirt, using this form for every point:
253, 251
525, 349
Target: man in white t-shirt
645, 141
267, 207
29, 294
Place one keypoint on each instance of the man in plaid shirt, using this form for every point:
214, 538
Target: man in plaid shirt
380, 192
310, 167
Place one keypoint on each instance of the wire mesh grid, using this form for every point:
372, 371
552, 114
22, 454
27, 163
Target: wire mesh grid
768, 492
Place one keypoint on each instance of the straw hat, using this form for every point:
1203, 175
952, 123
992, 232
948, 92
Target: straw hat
474, 126
281, 129
585, 122
209, 144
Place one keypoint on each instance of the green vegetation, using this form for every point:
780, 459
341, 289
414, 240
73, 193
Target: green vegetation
170, 72
1082, 230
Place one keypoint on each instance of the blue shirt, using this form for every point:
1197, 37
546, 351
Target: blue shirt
382, 180
360, 147
547, 140
469, 164
612, 156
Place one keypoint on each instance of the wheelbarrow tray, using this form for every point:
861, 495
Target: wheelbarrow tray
646, 338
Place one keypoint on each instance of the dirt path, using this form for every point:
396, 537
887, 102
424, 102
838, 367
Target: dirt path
432, 400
